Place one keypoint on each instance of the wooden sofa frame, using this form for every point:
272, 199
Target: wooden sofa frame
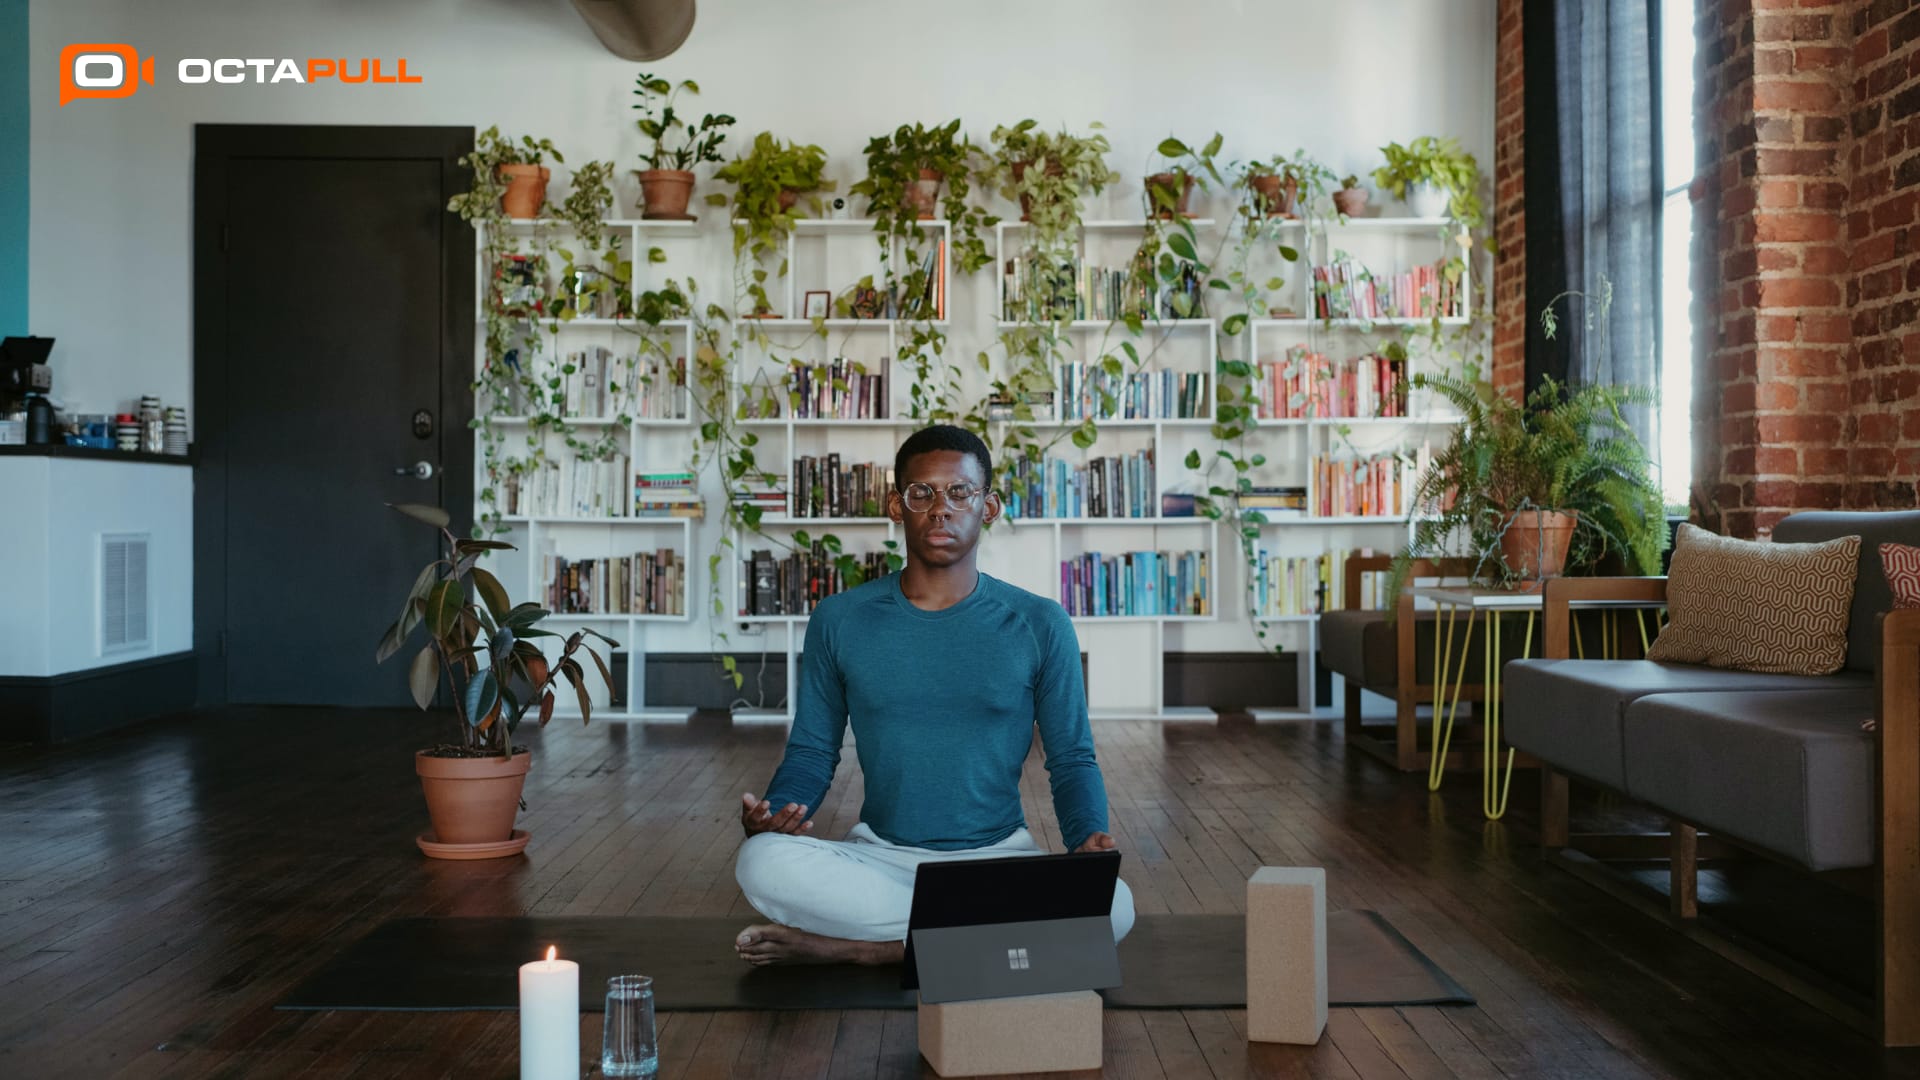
1896, 889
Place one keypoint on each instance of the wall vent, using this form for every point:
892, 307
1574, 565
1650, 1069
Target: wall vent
123, 592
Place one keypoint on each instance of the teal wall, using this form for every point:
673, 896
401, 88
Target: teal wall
14, 150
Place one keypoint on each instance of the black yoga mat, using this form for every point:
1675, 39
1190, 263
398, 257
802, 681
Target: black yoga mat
1168, 961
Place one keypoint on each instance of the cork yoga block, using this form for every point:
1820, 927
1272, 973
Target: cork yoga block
1287, 954
1028, 1034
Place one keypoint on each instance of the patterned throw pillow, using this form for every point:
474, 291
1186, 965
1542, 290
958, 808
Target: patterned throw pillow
1901, 564
1778, 608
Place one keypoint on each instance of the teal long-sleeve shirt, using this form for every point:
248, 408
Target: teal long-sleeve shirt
944, 705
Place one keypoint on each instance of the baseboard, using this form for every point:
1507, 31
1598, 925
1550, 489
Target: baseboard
1226, 681
61, 708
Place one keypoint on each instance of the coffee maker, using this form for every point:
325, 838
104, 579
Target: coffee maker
25, 381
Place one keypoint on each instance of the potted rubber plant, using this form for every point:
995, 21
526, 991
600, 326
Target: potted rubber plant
1557, 483
1435, 177
485, 647
666, 184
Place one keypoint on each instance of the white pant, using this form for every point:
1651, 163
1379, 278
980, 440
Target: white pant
860, 888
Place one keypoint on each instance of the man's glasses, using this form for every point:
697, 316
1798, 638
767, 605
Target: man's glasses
960, 495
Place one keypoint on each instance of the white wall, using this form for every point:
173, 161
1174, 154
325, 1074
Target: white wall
50, 543
111, 183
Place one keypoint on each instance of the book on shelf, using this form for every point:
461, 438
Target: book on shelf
1002, 406
795, 584
1086, 390
667, 495
1308, 385
1346, 289
1275, 501
839, 389
770, 496
1104, 487
644, 583
822, 487
1312, 584
660, 389
1035, 289
574, 487
1374, 486
1137, 583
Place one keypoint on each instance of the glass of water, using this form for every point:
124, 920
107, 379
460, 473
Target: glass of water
630, 1047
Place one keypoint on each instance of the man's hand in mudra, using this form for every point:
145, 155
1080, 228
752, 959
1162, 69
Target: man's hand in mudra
757, 816
1096, 842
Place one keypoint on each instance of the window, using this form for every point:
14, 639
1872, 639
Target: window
1675, 452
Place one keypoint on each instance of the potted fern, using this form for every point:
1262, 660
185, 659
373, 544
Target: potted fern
666, 184
1554, 484
484, 645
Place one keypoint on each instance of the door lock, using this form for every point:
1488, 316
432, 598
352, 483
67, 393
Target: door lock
422, 424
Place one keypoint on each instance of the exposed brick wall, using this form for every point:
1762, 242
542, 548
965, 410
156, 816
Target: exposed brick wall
1509, 204
1804, 383
1883, 444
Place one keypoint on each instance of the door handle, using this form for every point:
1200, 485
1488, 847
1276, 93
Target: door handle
419, 470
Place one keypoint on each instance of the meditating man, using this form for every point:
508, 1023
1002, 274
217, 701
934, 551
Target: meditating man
944, 674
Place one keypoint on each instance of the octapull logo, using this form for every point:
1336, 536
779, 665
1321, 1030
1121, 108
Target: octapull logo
115, 71
102, 71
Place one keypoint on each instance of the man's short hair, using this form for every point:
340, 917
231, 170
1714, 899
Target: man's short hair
941, 437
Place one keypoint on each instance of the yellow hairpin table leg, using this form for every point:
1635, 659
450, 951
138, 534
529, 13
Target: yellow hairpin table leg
1497, 783
1443, 665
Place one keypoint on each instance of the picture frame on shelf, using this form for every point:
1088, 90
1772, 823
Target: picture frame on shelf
817, 304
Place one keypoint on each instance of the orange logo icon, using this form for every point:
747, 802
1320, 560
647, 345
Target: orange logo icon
102, 71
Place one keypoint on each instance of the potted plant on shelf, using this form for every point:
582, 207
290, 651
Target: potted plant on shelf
520, 178
666, 184
1554, 484
1351, 199
1281, 185
494, 673
1435, 177
768, 181
906, 169
1072, 168
1169, 193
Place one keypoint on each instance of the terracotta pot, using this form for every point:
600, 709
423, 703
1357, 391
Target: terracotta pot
1164, 182
924, 194
1054, 168
1350, 201
1277, 196
472, 800
788, 197
526, 189
664, 193
1534, 542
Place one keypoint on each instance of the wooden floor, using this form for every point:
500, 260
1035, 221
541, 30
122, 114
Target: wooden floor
161, 889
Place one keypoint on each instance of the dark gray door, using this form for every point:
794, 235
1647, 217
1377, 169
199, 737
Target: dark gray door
336, 310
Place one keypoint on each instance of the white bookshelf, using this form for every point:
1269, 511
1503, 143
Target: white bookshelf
577, 537
828, 255
1398, 243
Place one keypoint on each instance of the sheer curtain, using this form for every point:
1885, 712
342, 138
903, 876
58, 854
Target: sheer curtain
1592, 193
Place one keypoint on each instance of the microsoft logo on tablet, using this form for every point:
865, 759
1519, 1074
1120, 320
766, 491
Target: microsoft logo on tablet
116, 71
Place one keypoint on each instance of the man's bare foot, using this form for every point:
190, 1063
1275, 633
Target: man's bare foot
770, 943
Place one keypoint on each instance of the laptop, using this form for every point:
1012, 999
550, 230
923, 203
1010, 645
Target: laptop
1033, 924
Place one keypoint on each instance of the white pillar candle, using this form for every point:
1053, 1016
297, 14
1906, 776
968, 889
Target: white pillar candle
550, 1019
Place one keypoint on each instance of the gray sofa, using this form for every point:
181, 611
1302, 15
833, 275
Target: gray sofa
1777, 764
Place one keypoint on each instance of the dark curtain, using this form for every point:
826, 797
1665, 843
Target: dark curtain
1593, 193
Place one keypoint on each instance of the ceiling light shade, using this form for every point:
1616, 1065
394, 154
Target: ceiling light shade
638, 29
